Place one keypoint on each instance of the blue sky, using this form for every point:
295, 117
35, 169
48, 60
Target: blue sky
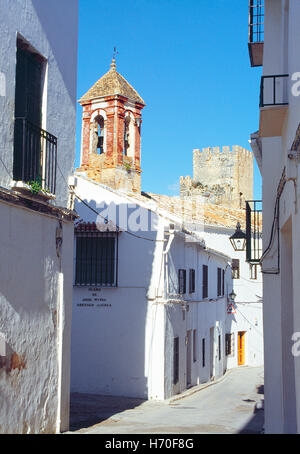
188, 59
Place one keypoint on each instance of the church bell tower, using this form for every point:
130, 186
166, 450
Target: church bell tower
111, 133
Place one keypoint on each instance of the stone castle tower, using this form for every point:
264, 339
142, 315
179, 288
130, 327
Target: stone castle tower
111, 132
222, 176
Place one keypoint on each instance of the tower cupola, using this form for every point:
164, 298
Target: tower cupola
111, 132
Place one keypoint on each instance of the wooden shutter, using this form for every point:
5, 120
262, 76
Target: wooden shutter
204, 281
223, 282
203, 352
192, 281
219, 281
181, 281
28, 100
176, 360
28, 105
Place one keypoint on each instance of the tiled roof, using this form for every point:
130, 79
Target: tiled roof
112, 83
198, 212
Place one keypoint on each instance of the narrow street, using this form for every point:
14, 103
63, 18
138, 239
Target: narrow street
230, 406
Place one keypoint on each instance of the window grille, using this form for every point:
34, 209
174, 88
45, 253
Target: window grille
96, 258
229, 344
253, 231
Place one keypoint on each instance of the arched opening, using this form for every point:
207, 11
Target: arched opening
98, 135
126, 135
129, 135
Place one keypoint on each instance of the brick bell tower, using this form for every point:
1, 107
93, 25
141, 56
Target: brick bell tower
111, 133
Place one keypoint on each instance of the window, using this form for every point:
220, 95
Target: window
176, 360
194, 345
204, 281
181, 282
96, 259
219, 281
126, 135
220, 345
35, 150
98, 138
223, 282
192, 281
235, 269
28, 106
229, 344
253, 271
203, 352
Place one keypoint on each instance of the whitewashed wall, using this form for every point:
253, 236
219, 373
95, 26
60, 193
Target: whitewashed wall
44, 26
110, 351
36, 285
248, 308
124, 346
281, 305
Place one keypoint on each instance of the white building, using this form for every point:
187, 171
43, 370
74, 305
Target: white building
38, 61
244, 320
150, 301
276, 147
244, 323
149, 310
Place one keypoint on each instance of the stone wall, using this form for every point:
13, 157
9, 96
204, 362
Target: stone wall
222, 176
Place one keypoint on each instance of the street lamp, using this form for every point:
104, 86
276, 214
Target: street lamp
232, 295
238, 239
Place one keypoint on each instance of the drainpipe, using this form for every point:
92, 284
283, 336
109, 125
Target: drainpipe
165, 254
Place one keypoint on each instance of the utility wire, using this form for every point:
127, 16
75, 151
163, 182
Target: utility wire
105, 219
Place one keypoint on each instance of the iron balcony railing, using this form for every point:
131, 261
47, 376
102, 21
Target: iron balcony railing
256, 21
253, 231
274, 90
35, 155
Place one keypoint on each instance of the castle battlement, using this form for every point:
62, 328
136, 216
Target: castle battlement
224, 149
224, 174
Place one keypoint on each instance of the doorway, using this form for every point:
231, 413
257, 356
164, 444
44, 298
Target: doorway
212, 352
188, 358
241, 348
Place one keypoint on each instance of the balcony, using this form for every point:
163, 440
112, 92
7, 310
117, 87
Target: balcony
35, 156
253, 231
256, 32
273, 104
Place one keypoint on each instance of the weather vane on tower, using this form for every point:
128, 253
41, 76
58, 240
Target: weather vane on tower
115, 53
